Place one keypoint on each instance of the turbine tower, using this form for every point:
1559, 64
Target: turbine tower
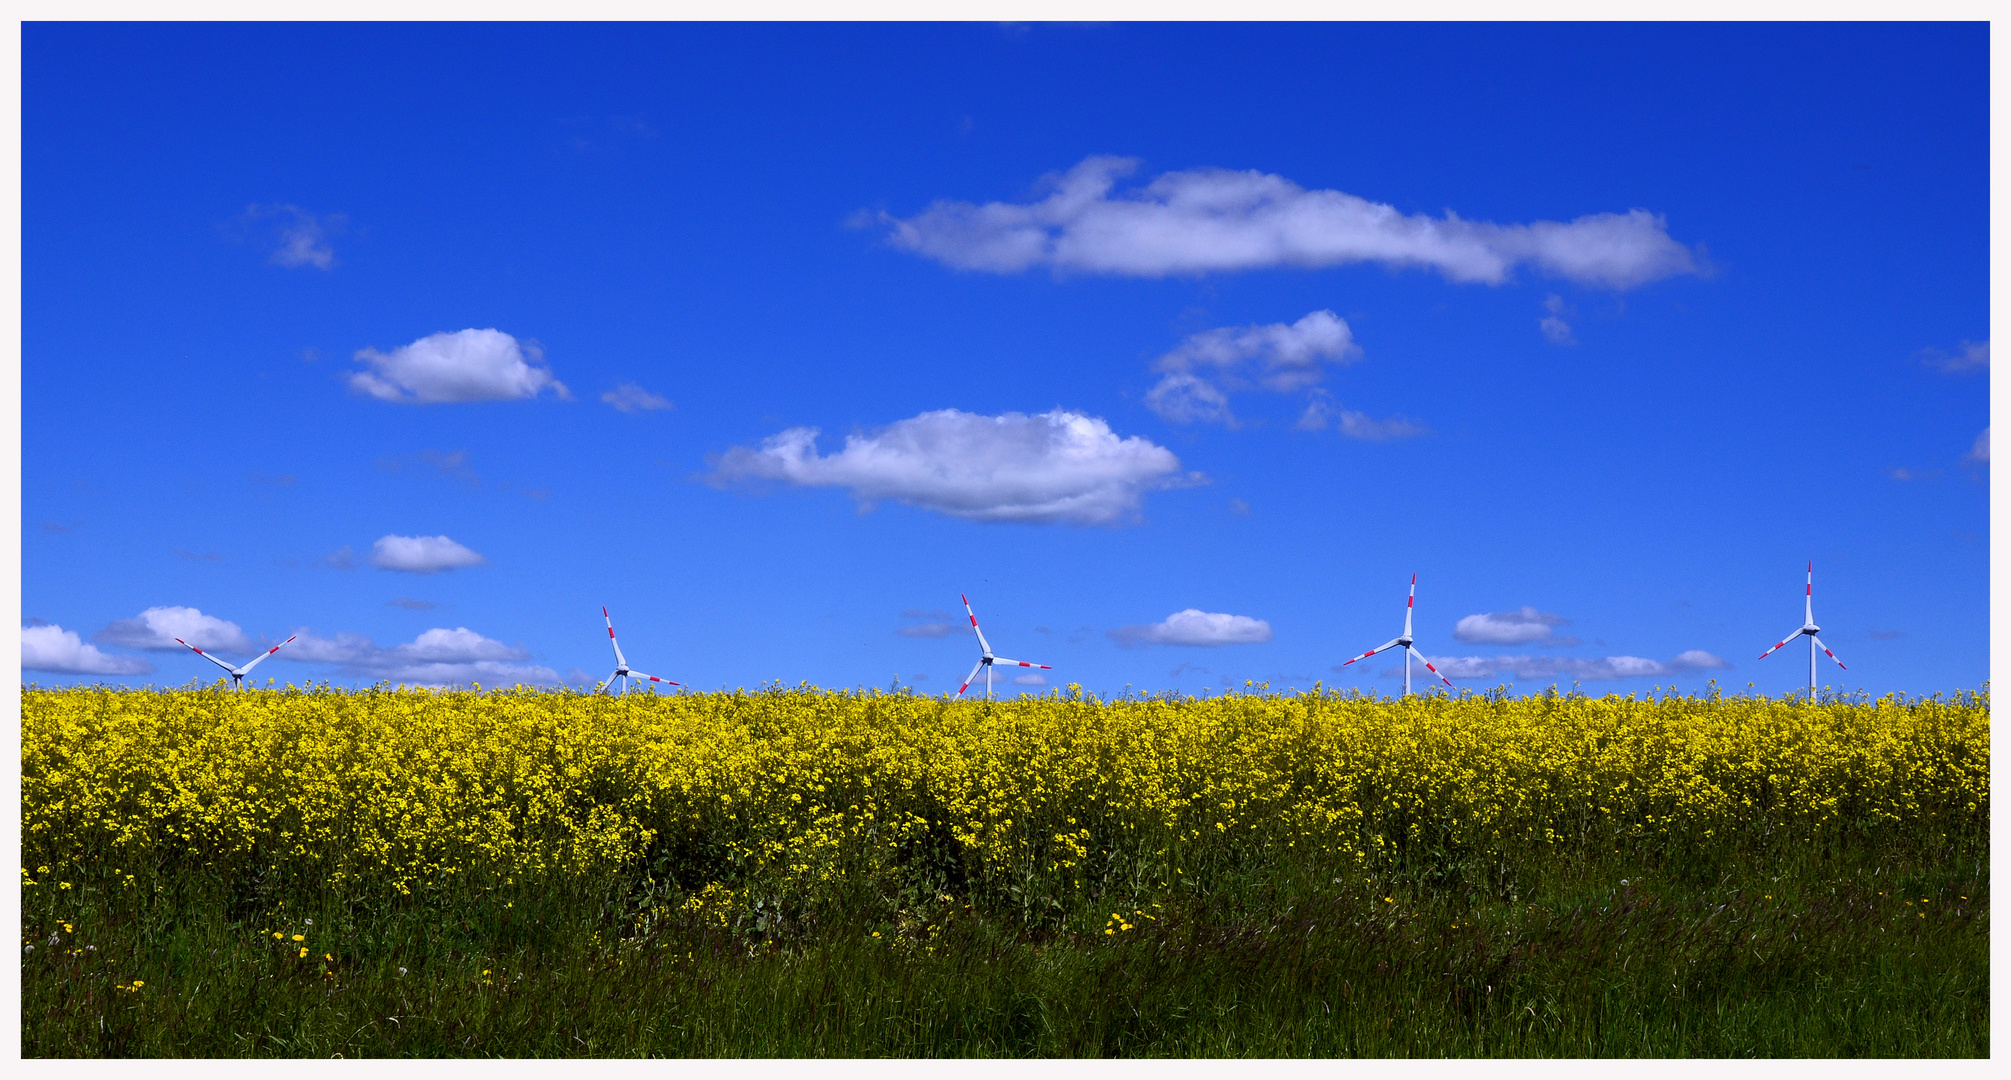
1809, 628
1405, 640
621, 668
237, 674
987, 660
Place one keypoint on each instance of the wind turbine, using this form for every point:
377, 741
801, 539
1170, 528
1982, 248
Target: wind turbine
1810, 628
237, 674
621, 670
1405, 640
987, 659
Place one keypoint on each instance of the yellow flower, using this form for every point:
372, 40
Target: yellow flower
303, 952
300, 937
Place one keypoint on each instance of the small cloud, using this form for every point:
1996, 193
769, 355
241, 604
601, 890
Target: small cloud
190, 556
1185, 668
156, 628
928, 630
438, 657
1239, 508
1599, 669
1052, 467
463, 366
919, 676
1195, 627
303, 236
1029, 680
1698, 660
1322, 411
1905, 476
1971, 356
343, 558
421, 554
1886, 635
630, 398
310, 356
1555, 329
1277, 357
48, 647
54, 527
1519, 627
34, 620
410, 604
282, 480
1979, 451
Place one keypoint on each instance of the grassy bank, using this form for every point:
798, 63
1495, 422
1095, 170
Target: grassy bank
529, 875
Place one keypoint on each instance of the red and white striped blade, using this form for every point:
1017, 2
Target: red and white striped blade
1826, 652
620, 660
651, 678
1409, 604
206, 656
1808, 597
1021, 663
1373, 651
982, 643
1783, 641
1428, 667
968, 678
261, 659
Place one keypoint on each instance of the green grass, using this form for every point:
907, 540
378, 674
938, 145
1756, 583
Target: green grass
1862, 950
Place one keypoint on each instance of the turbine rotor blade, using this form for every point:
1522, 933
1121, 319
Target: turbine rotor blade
1782, 642
608, 685
246, 670
1374, 651
1410, 603
1808, 597
206, 656
1427, 665
982, 643
619, 659
968, 678
1826, 652
651, 678
1021, 663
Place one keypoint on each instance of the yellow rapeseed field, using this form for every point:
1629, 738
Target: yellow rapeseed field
412, 790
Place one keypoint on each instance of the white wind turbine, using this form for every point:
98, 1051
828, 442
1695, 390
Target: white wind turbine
1809, 628
1405, 640
987, 660
621, 669
237, 674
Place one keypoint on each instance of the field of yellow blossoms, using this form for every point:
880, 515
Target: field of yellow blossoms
414, 791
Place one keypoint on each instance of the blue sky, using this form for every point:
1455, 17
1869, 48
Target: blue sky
1177, 348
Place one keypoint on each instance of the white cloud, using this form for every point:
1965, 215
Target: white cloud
1605, 668
1196, 627
630, 398
1057, 466
1029, 680
303, 242
1185, 399
1322, 411
1555, 329
1202, 220
52, 648
421, 554
158, 627
1277, 357
929, 630
1970, 356
1511, 628
438, 657
466, 365
1979, 453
